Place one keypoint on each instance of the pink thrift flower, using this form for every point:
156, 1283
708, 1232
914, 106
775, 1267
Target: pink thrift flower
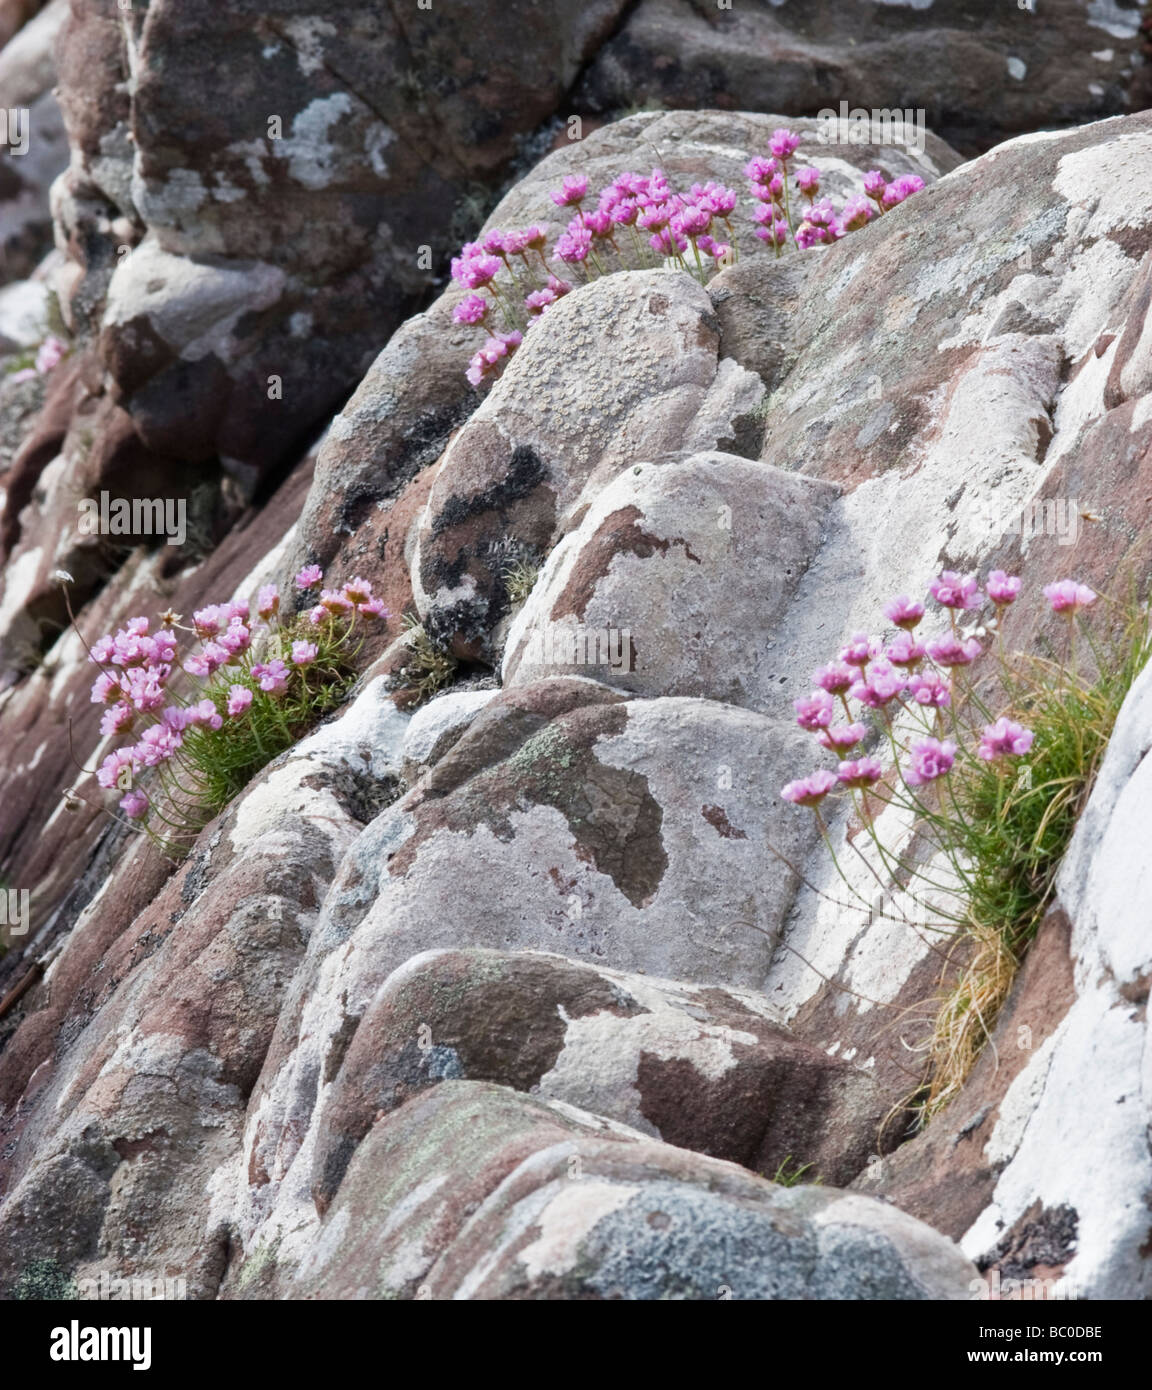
271, 676
105, 689
931, 689
117, 769
239, 698
860, 649
532, 238
930, 758
836, 677
879, 686
309, 577
374, 608
904, 650
784, 143
205, 714
471, 309
357, 591
904, 612
1067, 596
874, 184
134, 805
494, 243
808, 181
599, 224
954, 651
862, 772
236, 639
1004, 739
856, 214
117, 720
268, 602
1002, 588
572, 191
760, 169
304, 653
810, 790
538, 301
206, 621
692, 222
175, 718
157, 745
814, 711
668, 242
838, 738
50, 355
957, 591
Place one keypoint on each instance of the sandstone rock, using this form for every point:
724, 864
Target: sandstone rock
169, 1016
980, 70
288, 155
692, 563
623, 370
617, 832
437, 726
27, 76
704, 1069
506, 1198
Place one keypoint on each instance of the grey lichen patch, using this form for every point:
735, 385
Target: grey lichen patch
613, 816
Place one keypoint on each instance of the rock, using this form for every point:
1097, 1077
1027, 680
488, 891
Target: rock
978, 71
27, 171
169, 1010
620, 833
691, 564
289, 157
623, 370
504, 1197
704, 1069
438, 726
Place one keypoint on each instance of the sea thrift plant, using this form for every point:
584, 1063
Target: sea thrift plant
995, 793
639, 221
202, 705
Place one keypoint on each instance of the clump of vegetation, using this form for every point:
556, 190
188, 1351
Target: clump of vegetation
520, 578
427, 668
201, 722
45, 1281
997, 798
790, 1173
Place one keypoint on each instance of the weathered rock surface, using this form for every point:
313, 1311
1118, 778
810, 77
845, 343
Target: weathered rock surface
546, 1201
35, 149
195, 1062
625, 370
704, 1069
979, 70
692, 564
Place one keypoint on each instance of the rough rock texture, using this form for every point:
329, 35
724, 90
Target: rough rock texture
980, 70
219, 1070
547, 1201
27, 77
693, 591
627, 370
704, 1069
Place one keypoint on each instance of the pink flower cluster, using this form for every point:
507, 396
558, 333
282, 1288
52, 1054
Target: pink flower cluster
640, 220
776, 223
145, 688
634, 220
49, 355
908, 672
